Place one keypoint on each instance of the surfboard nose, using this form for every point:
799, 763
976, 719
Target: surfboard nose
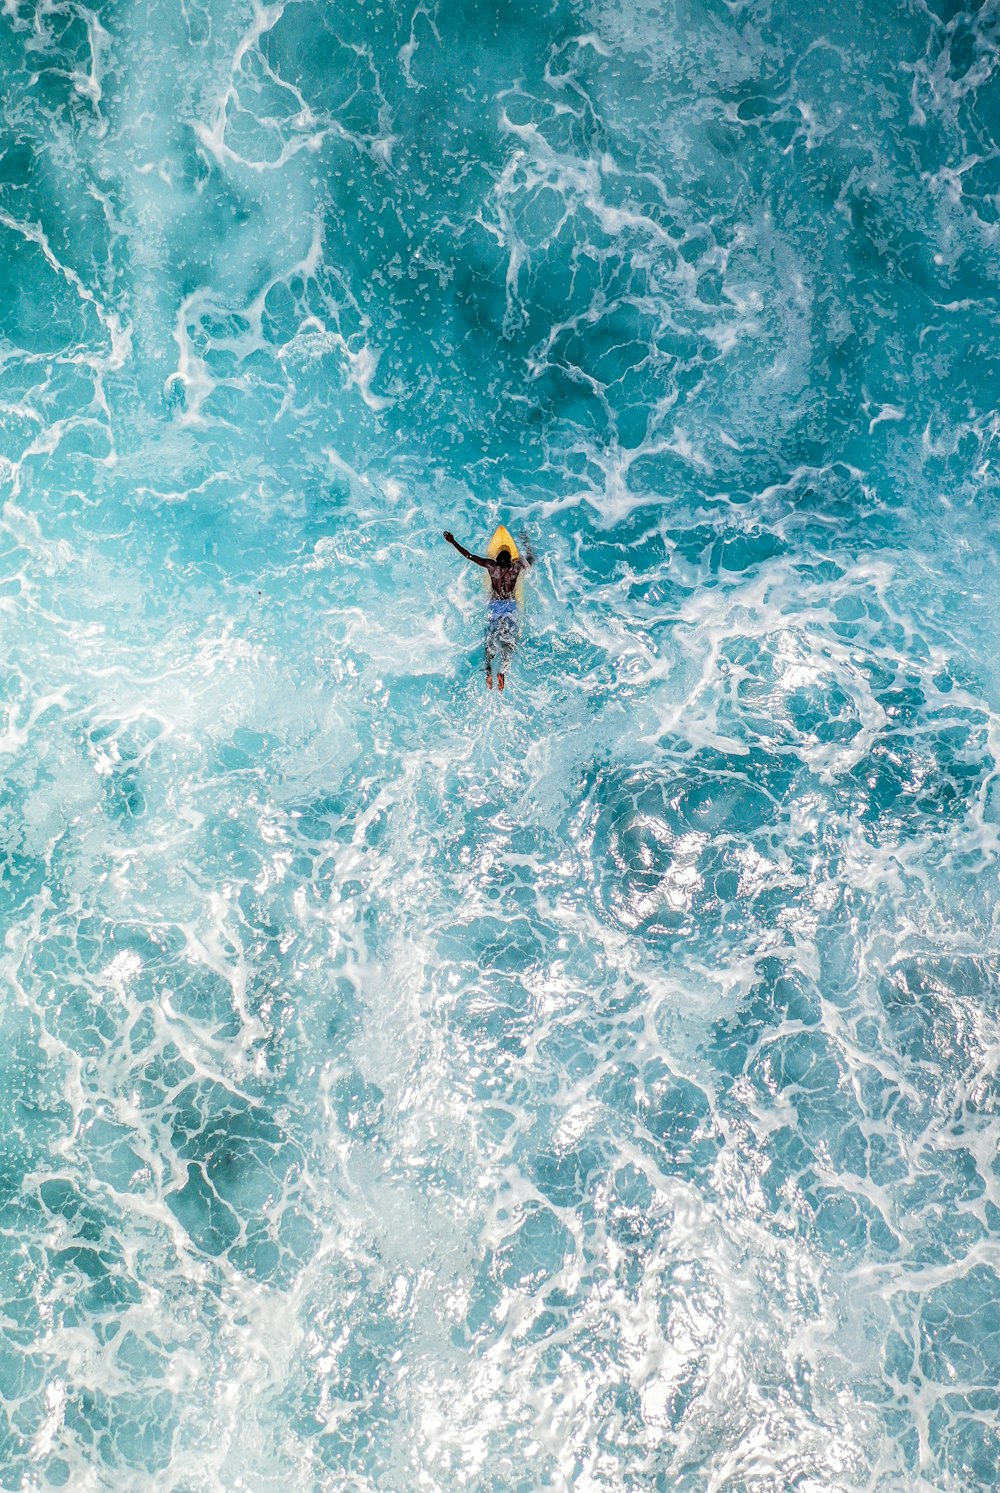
502, 539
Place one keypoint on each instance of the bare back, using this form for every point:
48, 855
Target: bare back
503, 581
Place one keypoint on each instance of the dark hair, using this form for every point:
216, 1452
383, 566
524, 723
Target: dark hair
503, 558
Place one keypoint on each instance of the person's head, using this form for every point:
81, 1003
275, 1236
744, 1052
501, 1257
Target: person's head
503, 558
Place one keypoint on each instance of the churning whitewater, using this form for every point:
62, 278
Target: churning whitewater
404, 1086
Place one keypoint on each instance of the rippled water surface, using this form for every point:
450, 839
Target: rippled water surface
594, 1087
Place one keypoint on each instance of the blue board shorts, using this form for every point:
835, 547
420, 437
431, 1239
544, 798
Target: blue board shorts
503, 608
501, 631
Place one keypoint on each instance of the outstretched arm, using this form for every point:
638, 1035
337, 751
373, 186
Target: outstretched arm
526, 554
476, 559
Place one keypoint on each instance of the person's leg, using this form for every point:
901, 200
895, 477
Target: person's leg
491, 648
506, 642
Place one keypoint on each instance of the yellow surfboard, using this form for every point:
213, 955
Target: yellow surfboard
503, 539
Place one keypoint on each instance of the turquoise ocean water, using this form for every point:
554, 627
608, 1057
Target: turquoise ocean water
403, 1088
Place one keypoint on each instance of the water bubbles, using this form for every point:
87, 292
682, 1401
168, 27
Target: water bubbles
400, 1086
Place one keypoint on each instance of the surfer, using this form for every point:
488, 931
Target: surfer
503, 622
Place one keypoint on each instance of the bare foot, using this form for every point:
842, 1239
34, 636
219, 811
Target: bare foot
489, 680
500, 680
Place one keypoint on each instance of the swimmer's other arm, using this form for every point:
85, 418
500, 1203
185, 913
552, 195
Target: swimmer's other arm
476, 559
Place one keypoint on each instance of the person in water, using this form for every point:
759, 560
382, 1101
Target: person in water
503, 623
